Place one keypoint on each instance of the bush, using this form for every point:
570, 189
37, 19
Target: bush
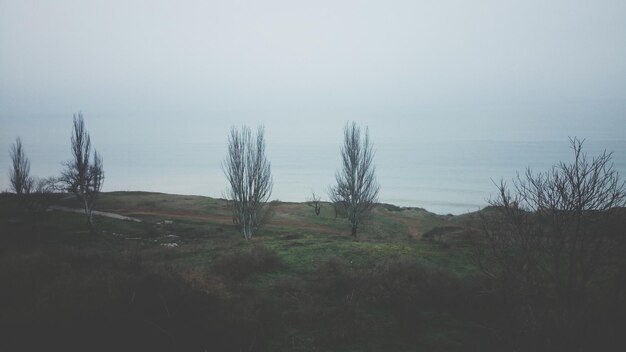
203, 280
404, 280
335, 278
550, 241
97, 300
401, 294
259, 259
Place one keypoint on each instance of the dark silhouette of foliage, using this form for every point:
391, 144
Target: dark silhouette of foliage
550, 241
238, 265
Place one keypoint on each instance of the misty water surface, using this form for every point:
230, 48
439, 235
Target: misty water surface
443, 177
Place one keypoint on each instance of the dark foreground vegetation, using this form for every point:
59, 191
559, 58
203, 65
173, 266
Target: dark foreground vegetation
183, 279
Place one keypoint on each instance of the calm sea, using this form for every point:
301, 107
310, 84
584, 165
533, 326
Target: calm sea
443, 177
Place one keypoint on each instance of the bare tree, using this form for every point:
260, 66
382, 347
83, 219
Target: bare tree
315, 203
249, 175
19, 174
356, 190
338, 209
36, 195
550, 234
82, 177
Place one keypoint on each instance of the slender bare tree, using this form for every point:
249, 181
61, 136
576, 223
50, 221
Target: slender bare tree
356, 190
33, 193
19, 174
82, 177
249, 175
315, 203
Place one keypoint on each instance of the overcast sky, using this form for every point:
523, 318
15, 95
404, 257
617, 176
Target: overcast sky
184, 71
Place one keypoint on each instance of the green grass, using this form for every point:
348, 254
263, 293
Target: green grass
298, 299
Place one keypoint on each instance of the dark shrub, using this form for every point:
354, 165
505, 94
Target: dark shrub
335, 277
333, 266
338, 293
259, 259
411, 291
101, 301
293, 290
404, 280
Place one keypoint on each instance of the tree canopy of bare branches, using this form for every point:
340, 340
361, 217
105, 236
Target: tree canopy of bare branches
315, 203
357, 189
550, 234
19, 174
249, 175
81, 176
34, 194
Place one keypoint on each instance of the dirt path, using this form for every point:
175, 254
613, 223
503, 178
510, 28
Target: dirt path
224, 220
95, 212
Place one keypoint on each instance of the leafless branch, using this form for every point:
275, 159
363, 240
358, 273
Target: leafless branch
249, 175
548, 235
82, 177
315, 202
356, 190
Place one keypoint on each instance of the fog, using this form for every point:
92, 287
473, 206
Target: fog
184, 71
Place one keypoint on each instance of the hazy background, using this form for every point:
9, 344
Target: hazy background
173, 72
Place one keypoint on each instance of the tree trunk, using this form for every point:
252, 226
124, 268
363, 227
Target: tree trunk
88, 214
247, 231
90, 222
354, 230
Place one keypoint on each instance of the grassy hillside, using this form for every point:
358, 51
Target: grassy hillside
185, 279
